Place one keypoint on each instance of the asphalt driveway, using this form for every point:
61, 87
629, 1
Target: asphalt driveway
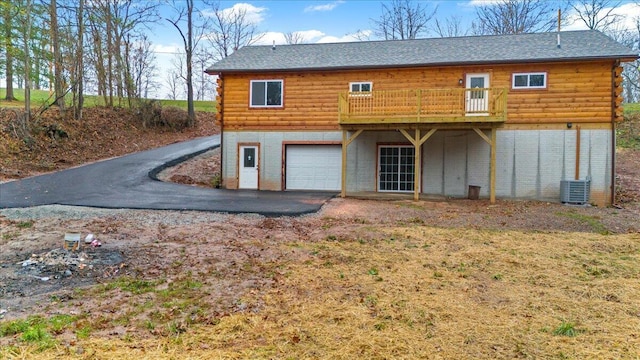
124, 183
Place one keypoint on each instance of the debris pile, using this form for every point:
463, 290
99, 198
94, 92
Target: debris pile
56, 263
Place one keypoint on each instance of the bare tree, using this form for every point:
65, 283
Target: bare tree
173, 82
631, 72
293, 38
142, 67
597, 14
231, 30
204, 84
8, 13
78, 94
26, 37
516, 17
57, 56
403, 19
191, 33
113, 23
362, 35
450, 27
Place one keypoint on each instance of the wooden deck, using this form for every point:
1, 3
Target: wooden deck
423, 106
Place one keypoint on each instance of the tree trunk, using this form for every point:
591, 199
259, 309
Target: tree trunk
8, 45
109, 54
27, 63
57, 58
80, 61
99, 62
191, 112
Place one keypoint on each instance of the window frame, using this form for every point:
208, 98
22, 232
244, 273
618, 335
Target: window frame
265, 105
401, 170
528, 75
360, 83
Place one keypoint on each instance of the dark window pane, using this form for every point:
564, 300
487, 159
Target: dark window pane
536, 80
520, 80
249, 157
258, 93
365, 87
274, 93
477, 82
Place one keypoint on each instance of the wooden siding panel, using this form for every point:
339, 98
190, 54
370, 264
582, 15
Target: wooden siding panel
576, 92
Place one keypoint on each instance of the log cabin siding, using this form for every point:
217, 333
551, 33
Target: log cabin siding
577, 92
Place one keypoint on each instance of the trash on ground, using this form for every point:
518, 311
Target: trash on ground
72, 241
89, 239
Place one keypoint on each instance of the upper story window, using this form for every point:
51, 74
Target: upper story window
266, 93
536, 80
360, 87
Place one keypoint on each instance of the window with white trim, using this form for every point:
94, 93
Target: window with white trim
360, 87
266, 93
536, 80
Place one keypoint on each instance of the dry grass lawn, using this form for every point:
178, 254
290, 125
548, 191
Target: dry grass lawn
409, 292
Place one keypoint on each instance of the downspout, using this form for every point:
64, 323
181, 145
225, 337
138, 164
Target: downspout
577, 175
220, 114
614, 107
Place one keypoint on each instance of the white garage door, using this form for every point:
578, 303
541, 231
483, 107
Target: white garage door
313, 167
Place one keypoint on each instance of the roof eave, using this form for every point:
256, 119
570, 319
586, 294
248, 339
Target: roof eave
622, 58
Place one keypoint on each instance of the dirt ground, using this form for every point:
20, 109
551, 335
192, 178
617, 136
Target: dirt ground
231, 252
59, 142
148, 243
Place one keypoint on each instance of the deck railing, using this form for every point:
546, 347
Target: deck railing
423, 106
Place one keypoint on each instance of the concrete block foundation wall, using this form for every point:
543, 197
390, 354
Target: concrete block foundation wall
530, 163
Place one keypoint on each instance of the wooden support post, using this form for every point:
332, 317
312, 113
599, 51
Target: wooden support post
492, 168
346, 140
492, 171
577, 175
417, 166
417, 142
343, 186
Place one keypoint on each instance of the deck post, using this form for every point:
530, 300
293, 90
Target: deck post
417, 142
416, 175
346, 140
492, 186
343, 186
492, 169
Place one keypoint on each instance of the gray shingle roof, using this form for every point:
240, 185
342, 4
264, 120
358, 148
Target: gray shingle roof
587, 44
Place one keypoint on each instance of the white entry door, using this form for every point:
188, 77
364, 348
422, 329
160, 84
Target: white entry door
248, 164
477, 95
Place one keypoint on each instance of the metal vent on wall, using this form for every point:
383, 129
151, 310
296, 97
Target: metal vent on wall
575, 191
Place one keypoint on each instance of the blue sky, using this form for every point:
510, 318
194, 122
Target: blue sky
337, 20
330, 21
322, 21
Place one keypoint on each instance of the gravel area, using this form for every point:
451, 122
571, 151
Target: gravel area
152, 217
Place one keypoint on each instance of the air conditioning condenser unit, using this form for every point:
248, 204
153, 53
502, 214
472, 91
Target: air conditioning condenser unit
575, 191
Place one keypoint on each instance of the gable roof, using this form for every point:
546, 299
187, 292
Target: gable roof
539, 47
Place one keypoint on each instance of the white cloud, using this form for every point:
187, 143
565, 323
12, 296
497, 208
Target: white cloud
308, 36
313, 36
627, 12
357, 36
167, 49
270, 37
253, 14
482, 2
325, 7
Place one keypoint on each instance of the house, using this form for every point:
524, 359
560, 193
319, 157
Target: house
511, 114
